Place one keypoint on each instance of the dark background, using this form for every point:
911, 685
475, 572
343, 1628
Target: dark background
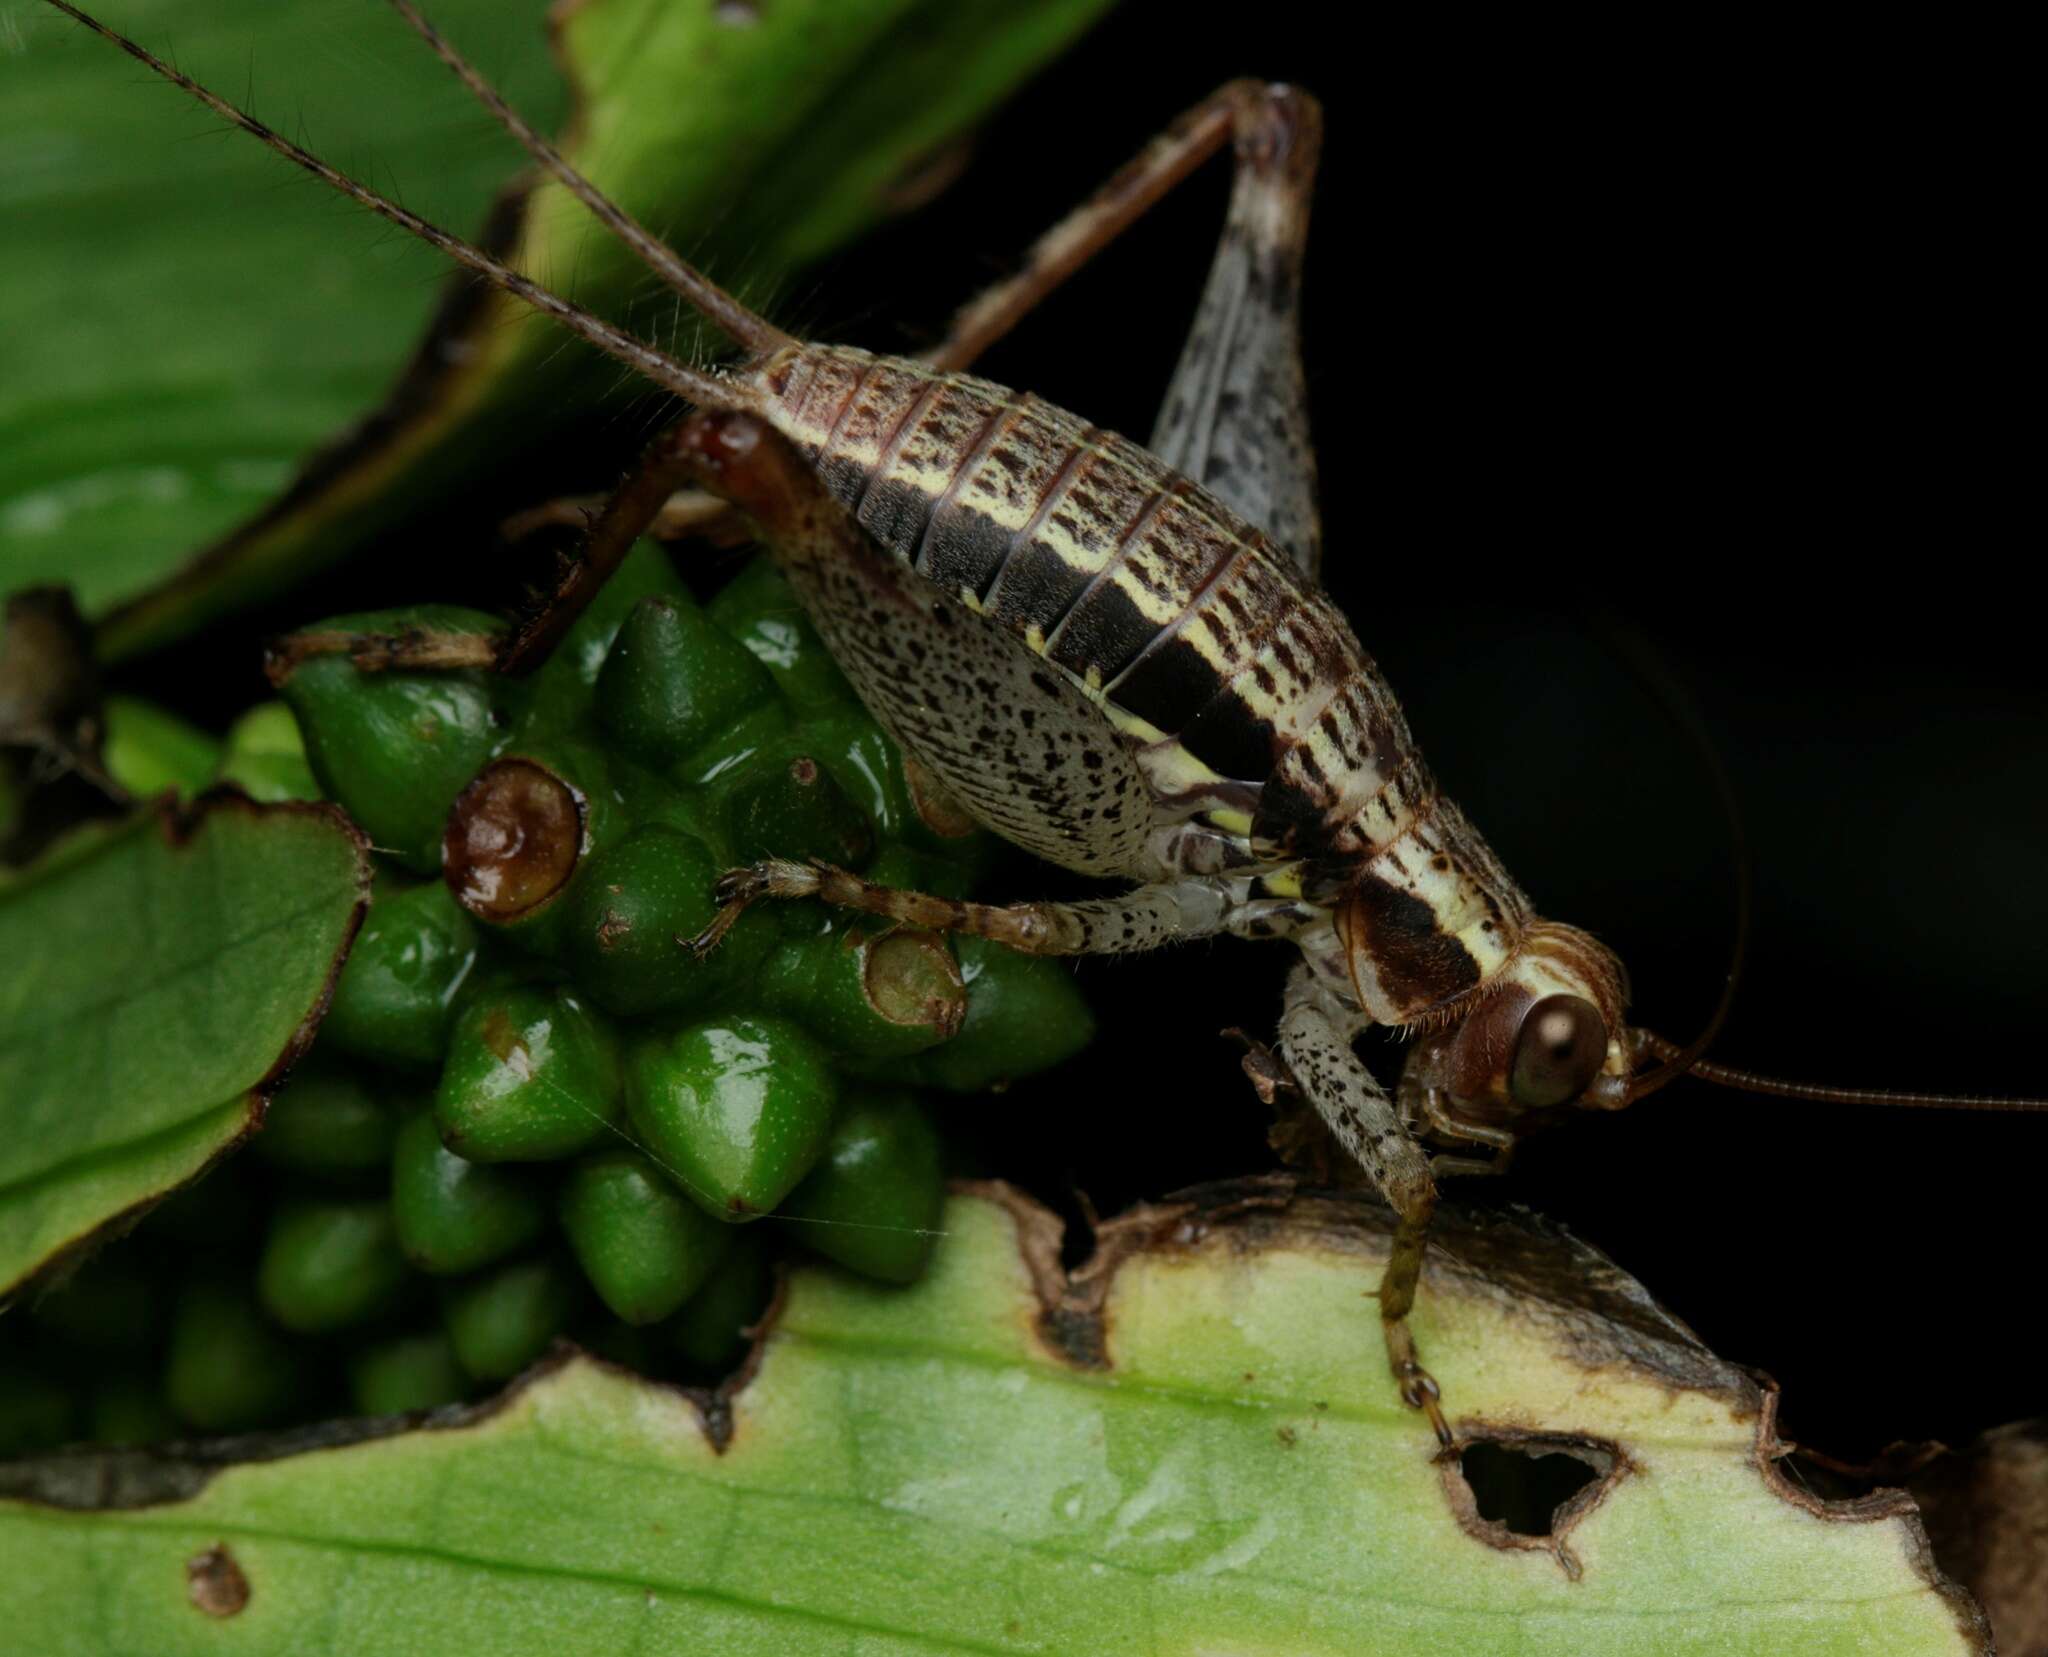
1702, 338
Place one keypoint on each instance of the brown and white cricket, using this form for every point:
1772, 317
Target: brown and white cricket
1118, 657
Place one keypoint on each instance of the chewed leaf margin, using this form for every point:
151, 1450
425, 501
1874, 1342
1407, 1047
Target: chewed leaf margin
1008, 1374
215, 1132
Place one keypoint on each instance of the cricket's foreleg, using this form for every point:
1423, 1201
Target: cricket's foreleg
1128, 924
1315, 1040
1235, 417
1250, 112
664, 468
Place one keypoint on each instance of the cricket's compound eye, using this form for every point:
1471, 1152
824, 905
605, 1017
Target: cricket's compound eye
1558, 1052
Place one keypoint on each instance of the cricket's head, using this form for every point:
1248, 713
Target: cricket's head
1545, 1035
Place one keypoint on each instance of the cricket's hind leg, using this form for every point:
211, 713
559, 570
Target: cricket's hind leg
1127, 924
1315, 1040
1256, 116
1235, 416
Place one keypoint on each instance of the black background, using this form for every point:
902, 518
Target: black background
1707, 337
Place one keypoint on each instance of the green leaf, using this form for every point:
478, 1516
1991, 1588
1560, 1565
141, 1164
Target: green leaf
1189, 1446
157, 402
155, 982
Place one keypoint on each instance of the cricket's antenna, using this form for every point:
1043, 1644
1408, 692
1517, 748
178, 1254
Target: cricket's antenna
710, 389
1628, 643
755, 332
1751, 1081
1688, 1060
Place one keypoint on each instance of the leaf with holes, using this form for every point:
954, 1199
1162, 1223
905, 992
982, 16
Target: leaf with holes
1189, 1445
186, 323
155, 980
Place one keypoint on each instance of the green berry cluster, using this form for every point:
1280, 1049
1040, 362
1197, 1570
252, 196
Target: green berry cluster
533, 1109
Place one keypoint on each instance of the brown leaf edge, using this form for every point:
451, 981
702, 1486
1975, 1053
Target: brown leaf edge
1600, 1317
179, 824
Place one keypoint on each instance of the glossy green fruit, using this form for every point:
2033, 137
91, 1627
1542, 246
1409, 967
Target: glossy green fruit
643, 897
503, 1320
875, 1198
645, 1247
734, 1111
868, 992
758, 609
1024, 1014
454, 1215
531, 1074
413, 1372
673, 681
396, 995
561, 693
330, 1123
266, 756
793, 807
229, 1369
709, 1334
396, 748
330, 1265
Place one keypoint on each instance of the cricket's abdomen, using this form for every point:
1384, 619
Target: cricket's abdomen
1240, 690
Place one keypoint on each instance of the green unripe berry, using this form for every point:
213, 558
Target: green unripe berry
1024, 1014
758, 609
876, 1197
454, 1215
792, 807
630, 918
500, 1322
735, 1111
397, 993
329, 1123
329, 1265
396, 748
413, 1372
228, 1369
673, 681
645, 1247
559, 695
709, 1333
532, 1074
868, 994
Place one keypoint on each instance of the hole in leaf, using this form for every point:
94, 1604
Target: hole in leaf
1522, 1489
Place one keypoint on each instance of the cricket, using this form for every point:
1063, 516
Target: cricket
1118, 658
